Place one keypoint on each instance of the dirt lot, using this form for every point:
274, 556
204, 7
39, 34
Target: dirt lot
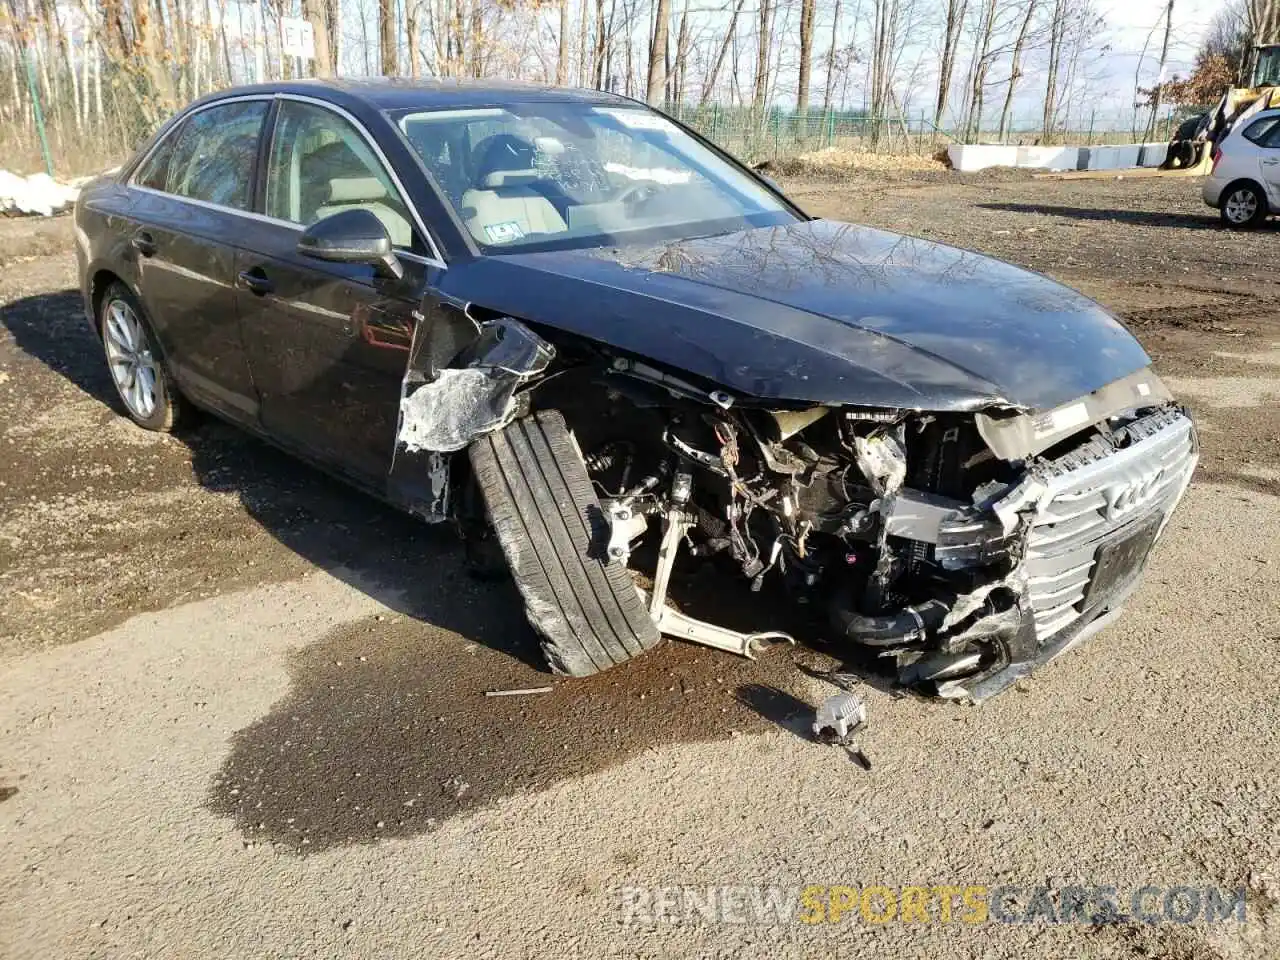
242, 707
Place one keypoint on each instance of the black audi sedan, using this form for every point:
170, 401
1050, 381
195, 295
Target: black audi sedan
595, 340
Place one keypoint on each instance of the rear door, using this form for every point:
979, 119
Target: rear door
192, 198
328, 342
1265, 134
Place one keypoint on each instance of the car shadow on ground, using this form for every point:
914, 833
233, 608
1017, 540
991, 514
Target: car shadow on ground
1144, 218
381, 551
386, 729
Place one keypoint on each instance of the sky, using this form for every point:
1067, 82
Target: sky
1131, 24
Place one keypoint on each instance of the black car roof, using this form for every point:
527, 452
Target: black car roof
399, 93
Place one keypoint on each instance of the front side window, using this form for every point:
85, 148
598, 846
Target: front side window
213, 154
319, 165
154, 171
558, 175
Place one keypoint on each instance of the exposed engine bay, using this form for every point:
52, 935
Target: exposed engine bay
953, 551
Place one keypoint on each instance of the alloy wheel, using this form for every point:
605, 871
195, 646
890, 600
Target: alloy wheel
1241, 206
133, 366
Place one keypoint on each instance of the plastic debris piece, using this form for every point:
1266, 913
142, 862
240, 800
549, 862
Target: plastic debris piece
838, 717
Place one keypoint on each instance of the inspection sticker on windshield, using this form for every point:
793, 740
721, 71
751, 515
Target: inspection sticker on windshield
503, 232
637, 119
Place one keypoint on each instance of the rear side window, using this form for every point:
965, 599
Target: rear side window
1263, 132
213, 154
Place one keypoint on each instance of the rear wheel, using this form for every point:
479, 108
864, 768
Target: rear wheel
1243, 206
585, 607
133, 358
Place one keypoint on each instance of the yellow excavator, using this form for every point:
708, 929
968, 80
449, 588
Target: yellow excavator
1190, 152
1191, 148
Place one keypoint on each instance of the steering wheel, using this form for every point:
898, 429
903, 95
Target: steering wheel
636, 194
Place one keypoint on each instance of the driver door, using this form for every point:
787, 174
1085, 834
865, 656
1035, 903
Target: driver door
328, 342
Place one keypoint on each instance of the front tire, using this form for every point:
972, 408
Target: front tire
133, 359
1243, 206
585, 606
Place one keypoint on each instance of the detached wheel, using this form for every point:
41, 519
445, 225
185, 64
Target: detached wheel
584, 606
148, 395
1243, 206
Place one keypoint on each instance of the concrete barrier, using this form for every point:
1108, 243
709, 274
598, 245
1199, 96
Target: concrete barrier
969, 157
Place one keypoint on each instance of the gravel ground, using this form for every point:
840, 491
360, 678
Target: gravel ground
243, 708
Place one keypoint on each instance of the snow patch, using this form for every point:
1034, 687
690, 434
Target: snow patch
36, 194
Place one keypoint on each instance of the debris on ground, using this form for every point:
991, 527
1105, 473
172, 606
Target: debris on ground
839, 160
840, 716
523, 692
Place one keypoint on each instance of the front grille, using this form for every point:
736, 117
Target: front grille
1095, 493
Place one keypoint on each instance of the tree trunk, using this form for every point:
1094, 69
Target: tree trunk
333, 23
831, 61
682, 53
597, 54
562, 63
764, 42
314, 13
1057, 33
584, 50
412, 8
387, 37
709, 89
657, 82
1015, 69
981, 64
808, 10
947, 65
1164, 59
477, 39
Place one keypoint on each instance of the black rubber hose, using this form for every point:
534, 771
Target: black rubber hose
889, 630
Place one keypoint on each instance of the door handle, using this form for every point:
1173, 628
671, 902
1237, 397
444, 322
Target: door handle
144, 243
1270, 163
256, 281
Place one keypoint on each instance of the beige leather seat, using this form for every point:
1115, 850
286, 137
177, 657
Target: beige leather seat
502, 206
367, 193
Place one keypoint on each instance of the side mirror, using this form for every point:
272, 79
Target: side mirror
352, 236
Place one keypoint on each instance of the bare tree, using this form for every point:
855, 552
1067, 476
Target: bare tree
1158, 92
831, 59
953, 20
808, 11
562, 61
1015, 67
1059, 20
387, 37
983, 55
709, 87
657, 83
1263, 19
764, 42
314, 12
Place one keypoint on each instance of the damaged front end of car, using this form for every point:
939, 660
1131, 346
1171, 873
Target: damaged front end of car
955, 550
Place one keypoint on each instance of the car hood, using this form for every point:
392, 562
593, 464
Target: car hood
822, 312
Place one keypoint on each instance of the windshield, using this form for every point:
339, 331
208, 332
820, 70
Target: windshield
559, 175
1266, 72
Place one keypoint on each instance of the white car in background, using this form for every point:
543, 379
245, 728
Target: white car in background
1245, 181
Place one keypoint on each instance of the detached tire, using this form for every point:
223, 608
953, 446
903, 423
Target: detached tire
585, 607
